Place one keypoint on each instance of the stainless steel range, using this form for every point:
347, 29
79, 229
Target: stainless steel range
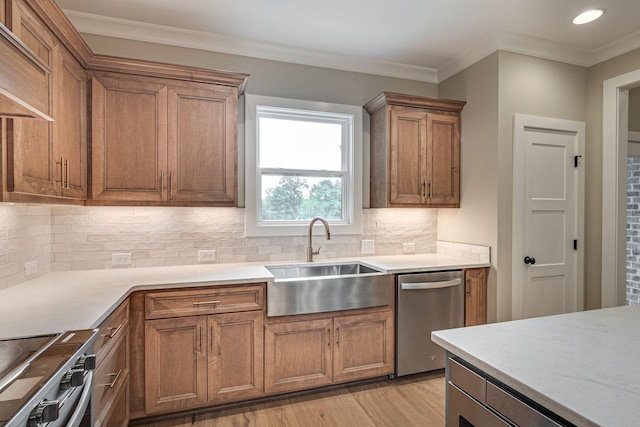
47, 380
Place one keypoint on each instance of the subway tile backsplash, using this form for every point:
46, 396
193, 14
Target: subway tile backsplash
65, 238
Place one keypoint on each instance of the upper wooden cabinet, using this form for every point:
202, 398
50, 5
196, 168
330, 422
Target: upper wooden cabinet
162, 134
30, 143
415, 151
159, 141
47, 161
71, 126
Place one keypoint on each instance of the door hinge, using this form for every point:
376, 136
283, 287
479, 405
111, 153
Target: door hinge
575, 245
575, 161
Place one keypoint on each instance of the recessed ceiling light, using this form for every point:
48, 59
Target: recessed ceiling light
588, 16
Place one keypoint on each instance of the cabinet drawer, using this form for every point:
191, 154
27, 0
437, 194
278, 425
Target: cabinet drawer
117, 415
110, 330
111, 375
160, 305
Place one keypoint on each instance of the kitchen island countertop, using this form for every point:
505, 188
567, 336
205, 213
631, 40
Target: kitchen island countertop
582, 366
82, 299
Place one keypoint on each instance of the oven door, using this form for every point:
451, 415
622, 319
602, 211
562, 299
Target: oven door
465, 411
76, 406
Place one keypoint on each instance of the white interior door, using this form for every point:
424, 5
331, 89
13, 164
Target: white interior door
548, 216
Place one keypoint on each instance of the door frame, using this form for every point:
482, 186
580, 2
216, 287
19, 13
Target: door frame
615, 136
520, 123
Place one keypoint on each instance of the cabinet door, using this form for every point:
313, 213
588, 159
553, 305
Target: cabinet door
129, 138
443, 159
407, 150
203, 144
175, 364
297, 355
475, 302
363, 346
235, 356
71, 125
3, 19
30, 143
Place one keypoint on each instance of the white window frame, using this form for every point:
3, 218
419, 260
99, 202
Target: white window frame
352, 179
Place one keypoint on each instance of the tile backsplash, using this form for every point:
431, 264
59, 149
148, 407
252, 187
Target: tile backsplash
64, 238
25, 235
85, 237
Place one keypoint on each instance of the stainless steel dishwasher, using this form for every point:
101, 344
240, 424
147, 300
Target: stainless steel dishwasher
426, 302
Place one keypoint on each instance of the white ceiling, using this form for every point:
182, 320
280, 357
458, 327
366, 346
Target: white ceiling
427, 40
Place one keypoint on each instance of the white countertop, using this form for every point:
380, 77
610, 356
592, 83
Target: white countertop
582, 366
83, 299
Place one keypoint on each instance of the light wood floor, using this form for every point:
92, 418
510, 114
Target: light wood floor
416, 400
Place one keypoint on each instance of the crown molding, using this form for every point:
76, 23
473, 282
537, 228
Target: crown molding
152, 33
160, 34
517, 44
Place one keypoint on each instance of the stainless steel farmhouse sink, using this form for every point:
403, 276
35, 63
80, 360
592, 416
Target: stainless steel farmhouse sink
317, 288
295, 271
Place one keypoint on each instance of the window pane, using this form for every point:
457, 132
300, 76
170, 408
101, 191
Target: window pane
297, 198
298, 144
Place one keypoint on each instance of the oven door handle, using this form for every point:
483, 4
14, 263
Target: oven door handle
83, 403
432, 285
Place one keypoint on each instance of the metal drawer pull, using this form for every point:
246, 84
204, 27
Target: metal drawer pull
432, 285
114, 331
207, 302
115, 380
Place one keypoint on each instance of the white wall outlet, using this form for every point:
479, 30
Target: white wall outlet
368, 247
31, 268
121, 258
207, 256
408, 248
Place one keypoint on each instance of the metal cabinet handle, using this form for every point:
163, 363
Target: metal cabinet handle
114, 331
115, 380
431, 285
529, 260
207, 302
338, 336
329, 337
66, 174
430, 190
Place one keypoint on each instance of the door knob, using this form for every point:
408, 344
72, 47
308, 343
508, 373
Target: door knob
529, 260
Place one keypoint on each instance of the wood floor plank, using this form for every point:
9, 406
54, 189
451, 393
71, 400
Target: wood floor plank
413, 401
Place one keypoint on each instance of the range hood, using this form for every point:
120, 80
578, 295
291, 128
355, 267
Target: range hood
23, 80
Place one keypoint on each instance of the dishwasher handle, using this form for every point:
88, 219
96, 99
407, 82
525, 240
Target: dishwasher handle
431, 285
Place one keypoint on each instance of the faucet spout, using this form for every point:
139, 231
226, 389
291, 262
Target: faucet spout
327, 232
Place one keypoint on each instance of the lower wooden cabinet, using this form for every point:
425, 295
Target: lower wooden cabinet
363, 346
235, 356
298, 355
175, 363
198, 360
475, 301
307, 354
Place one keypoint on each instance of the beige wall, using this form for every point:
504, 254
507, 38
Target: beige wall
476, 220
596, 76
495, 89
270, 78
537, 87
634, 110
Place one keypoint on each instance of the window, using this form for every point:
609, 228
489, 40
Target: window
303, 159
